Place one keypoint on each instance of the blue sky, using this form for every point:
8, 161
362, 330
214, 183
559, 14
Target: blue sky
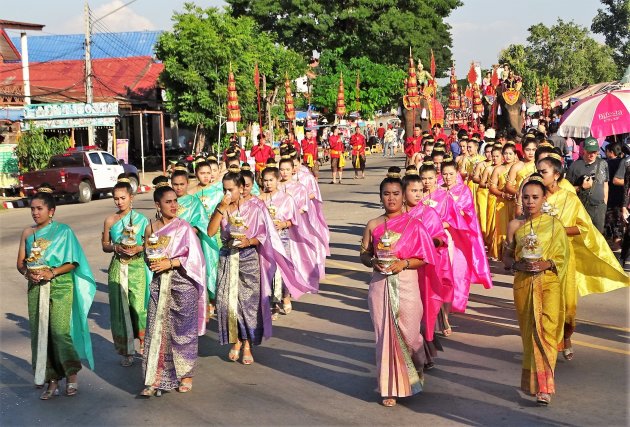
480, 28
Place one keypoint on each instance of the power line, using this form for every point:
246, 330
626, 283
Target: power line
116, 10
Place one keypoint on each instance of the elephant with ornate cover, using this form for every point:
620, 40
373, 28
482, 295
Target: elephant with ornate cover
508, 109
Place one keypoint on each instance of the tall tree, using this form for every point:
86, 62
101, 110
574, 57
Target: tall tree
381, 86
614, 24
563, 55
197, 54
381, 30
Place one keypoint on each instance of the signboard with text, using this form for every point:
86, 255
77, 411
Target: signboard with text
70, 115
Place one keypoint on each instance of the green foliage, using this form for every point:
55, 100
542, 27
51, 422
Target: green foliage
197, 54
380, 30
614, 25
34, 149
563, 56
381, 86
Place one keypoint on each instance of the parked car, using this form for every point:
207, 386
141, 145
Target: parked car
82, 173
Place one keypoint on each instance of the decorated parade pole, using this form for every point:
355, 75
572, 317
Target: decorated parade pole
233, 109
454, 101
477, 106
257, 84
289, 108
494, 83
411, 100
340, 111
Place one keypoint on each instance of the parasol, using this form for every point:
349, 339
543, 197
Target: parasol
599, 115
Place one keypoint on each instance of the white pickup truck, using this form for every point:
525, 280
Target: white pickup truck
80, 172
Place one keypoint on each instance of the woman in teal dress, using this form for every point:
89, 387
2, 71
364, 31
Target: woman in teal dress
128, 275
209, 191
61, 289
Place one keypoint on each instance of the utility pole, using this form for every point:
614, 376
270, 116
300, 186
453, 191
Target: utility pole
25, 72
88, 68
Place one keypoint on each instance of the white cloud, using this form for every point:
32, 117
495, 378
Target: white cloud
125, 19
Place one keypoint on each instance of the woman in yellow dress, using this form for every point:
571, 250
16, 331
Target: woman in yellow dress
521, 170
481, 199
504, 207
599, 270
497, 160
537, 249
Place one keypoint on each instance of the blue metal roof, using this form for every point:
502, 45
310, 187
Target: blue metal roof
104, 45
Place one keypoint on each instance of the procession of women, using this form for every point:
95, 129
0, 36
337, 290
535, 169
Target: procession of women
237, 246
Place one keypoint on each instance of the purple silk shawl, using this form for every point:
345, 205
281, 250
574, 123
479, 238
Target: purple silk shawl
271, 255
184, 245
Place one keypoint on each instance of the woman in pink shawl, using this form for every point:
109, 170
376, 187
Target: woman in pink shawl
310, 207
439, 289
251, 253
177, 304
470, 264
398, 247
295, 238
316, 211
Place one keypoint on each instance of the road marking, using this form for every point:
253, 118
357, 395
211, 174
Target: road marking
573, 341
483, 300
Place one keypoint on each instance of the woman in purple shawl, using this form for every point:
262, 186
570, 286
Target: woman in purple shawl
251, 253
295, 238
177, 303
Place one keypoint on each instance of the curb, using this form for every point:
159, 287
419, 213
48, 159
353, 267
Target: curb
16, 204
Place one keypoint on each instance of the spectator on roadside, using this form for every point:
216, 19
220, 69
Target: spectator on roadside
589, 175
380, 133
557, 140
389, 141
614, 223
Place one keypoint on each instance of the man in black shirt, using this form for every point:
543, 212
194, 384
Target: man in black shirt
589, 175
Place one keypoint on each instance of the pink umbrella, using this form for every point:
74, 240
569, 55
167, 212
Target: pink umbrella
599, 115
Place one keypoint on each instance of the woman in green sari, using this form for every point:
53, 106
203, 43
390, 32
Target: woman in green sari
128, 275
61, 289
209, 191
537, 249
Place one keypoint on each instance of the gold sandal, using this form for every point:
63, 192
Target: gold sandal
389, 402
72, 389
185, 387
248, 360
235, 353
49, 393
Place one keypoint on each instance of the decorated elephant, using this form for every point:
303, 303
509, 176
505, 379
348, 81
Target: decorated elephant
410, 117
508, 109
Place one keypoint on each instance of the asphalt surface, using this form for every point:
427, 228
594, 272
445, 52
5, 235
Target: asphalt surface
319, 367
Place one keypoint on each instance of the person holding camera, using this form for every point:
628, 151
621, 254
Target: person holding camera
589, 175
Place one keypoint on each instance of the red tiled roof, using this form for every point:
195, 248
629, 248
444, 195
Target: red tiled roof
114, 79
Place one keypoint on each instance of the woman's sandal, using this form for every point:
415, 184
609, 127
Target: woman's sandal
72, 389
543, 398
50, 392
389, 402
288, 308
567, 353
248, 360
151, 391
234, 354
126, 361
185, 387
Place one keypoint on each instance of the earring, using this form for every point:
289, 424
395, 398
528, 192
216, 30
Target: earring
50, 219
158, 214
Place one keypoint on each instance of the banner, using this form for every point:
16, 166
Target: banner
122, 150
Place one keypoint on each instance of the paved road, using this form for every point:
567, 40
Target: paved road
319, 369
